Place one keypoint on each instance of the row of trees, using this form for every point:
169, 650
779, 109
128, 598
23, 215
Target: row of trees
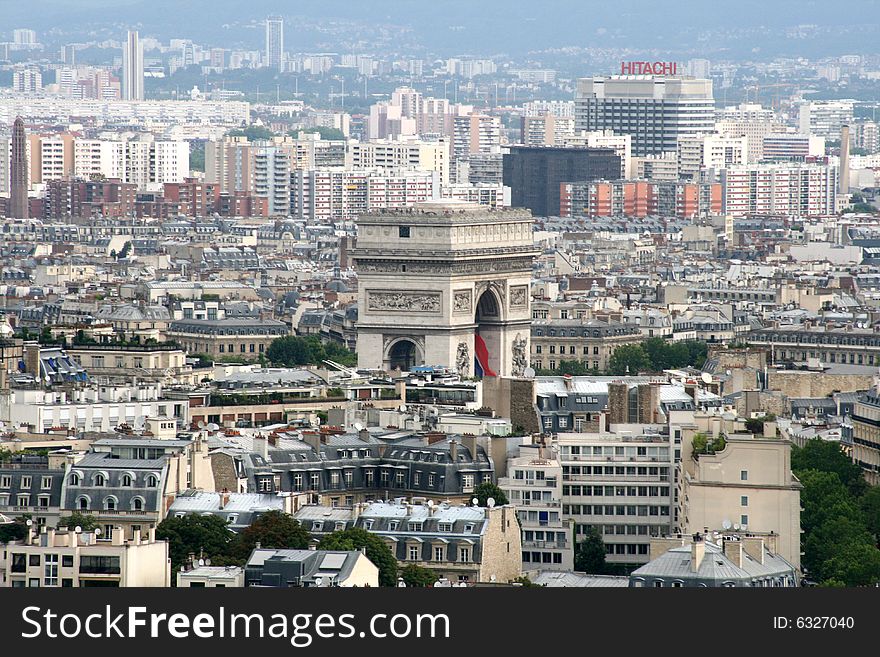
652, 355
656, 355
291, 351
840, 517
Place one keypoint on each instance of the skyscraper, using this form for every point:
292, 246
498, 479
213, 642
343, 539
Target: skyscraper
18, 172
655, 109
133, 68
275, 42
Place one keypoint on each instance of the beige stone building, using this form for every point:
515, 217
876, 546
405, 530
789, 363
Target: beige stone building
747, 486
160, 362
866, 436
78, 559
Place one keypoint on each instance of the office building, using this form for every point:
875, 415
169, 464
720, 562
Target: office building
866, 436
27, 80
792, 147
638, 198
701, 153
18, 173
534, 489
655, 110
825, 118
780, 189
133, 68
275, 43
535, 175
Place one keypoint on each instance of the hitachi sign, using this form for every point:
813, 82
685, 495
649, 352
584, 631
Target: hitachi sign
648, 68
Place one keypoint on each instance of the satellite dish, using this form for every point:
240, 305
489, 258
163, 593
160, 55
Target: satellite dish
402, 408
529, 372
29, 522
706, 377
437, 584
202, 424
492, 578
491, 502
475, 501
98, 531
430, 503
736, 527
207, 562
725, 524
358, 426
78, 529
213, 427
201, 562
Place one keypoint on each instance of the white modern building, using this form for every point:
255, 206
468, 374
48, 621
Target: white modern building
133, 68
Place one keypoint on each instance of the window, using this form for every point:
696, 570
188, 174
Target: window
5, 481
467, 482
152, 481
439, 553
744, 520
445, 527
414, 553
95, 565
67, 561
26, 481
110, 504
743, 475
126, 481
137, 504
99, 480
83, 503
19, 563
431, 479
46, 483
74, 479
744, 500
464, 554
50, 571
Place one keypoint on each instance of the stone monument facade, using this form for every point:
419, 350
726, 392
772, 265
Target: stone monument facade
445, 283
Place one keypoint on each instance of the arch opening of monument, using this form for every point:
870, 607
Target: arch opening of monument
403, 355
488, 335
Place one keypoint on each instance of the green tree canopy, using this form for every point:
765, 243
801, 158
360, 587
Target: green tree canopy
870, 503
193, 533
87, 522
629, 359
417, 576
486, 490
755, 425
330, 134
13, 531
377, 552
273, 529
252, 132
292, 351
825, 455
703, 444
589, 556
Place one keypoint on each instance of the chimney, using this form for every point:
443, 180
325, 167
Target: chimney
754, 547
136, 537
117, 536
469, 441
224, 499
364, 435
769, 430
313, 440
453, 450
261, 446
698, 551
151, 535
733, 550
566, 380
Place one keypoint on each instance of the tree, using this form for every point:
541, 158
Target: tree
324, 132
197, 156
702, 444
126, 249
418, 577
86, 522
589, 557
486, 490
272, 529
197, 534
755, 425
826, 456
870, 504
292, 351
525, 582
13, 531
252, 132
377, 552
629, 359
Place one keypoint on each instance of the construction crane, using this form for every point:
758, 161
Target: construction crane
778, 85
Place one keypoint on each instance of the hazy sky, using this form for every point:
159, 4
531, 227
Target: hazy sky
503, 25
